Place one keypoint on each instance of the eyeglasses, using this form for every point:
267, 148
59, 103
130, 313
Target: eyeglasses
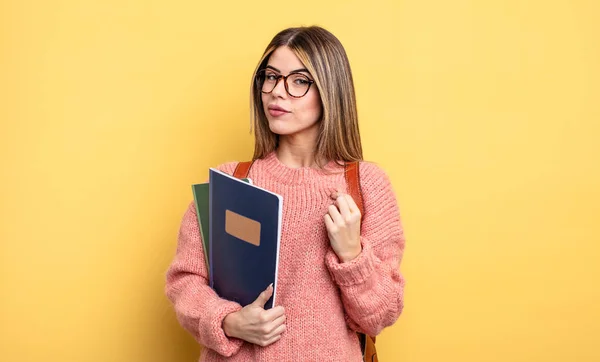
296, 84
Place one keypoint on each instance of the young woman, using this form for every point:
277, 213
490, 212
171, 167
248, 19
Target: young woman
338, 270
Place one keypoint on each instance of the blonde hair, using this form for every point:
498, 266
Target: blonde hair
325, 58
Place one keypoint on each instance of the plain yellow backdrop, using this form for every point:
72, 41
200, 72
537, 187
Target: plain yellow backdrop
485, 114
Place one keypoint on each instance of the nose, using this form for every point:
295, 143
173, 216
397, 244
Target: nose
279, 90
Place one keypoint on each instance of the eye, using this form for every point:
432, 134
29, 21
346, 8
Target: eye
270, 76
301, 81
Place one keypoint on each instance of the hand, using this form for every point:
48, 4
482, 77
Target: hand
254, 324
343, 227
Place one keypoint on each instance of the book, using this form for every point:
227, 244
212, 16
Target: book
200, 192
244, 238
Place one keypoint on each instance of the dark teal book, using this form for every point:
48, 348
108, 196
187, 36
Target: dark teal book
244, 238
200, 192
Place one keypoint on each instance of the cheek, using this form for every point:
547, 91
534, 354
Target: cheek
312, 107
264, 98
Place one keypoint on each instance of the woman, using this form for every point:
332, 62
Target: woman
337, 275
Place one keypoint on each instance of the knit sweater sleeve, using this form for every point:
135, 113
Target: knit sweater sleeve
371, 285
198, 308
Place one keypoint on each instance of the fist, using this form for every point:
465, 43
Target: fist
343, 227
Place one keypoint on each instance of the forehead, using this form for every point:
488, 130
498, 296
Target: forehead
285, 60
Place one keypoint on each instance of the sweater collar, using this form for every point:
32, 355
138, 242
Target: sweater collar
296, 175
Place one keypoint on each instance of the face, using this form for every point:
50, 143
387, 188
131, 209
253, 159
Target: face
289, 116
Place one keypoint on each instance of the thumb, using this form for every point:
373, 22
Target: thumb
264, 296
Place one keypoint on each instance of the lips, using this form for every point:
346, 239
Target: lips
276, 111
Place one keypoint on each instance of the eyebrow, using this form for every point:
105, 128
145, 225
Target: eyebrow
293, 71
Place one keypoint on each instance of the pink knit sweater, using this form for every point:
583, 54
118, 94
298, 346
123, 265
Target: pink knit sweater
325, 301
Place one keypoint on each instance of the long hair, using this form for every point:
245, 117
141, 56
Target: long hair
325, 58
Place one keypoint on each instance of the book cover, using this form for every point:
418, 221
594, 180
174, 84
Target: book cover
201, 192
244, 236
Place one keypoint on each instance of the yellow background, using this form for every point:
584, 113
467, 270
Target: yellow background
484, 113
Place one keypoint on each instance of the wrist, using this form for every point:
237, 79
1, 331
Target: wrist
350, 254
229, 323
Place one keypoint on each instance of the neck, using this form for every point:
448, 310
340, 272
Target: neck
295, 153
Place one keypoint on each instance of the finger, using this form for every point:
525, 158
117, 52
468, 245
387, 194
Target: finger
276, 332
336, 193
352, 204
328, 222
342, 204
263, 297
278, 322
335, 215
274, 313
271, 341
270, 327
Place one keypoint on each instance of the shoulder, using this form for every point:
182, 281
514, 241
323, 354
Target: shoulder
371, 174
228, 167
375, 184
379, 197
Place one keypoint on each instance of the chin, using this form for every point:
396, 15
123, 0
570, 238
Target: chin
280, 129
281, 132
291, 127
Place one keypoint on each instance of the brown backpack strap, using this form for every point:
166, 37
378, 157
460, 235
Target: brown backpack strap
369, 351
242, 169
351, 173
